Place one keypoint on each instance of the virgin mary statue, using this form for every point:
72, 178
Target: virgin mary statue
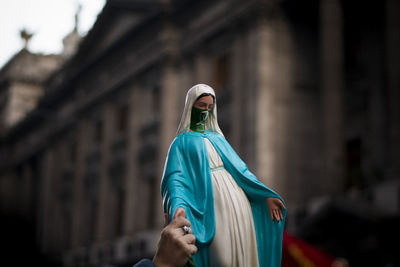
236, 219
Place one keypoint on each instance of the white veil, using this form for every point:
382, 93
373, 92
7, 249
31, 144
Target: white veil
191, 96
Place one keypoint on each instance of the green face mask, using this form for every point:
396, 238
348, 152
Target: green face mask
198, 119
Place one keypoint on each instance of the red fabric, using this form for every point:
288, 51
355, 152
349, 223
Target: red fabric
297, 252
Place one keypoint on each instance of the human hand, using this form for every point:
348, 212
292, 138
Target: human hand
175, 247
275, 206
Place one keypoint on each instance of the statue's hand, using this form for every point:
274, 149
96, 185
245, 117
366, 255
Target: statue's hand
275, 207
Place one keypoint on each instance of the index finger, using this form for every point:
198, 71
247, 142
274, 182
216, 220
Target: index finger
282, 205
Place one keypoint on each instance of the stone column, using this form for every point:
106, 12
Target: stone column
46, 203
78, 208
147, 192
8, 192
27, 192
169, 102
392, 35
238, 88
133, 206
169, 96
105, 220
250, 75
64, 193
56, 222
273, 81
168, 122
332, 86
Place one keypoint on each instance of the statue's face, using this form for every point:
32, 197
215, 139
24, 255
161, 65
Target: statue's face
205, 102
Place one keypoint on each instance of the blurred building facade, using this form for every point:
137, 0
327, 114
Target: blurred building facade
22, 85
307, 92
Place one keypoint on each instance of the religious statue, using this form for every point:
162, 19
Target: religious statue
237, 220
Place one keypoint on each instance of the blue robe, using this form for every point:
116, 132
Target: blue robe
187, 183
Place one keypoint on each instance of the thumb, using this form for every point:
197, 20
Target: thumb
180, 212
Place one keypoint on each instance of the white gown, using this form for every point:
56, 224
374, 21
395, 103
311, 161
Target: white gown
234, 244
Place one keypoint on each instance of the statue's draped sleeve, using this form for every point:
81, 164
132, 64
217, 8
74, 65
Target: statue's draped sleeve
187, 183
